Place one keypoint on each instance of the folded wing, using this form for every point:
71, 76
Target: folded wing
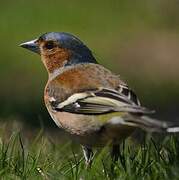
100, 101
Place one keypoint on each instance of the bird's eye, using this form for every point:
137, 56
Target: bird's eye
49, 45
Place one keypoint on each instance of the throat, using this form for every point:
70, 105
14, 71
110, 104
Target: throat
55, 60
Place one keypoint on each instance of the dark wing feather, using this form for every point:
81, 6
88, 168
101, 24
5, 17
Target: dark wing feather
129, 94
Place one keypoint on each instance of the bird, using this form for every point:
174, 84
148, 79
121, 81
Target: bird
93, 105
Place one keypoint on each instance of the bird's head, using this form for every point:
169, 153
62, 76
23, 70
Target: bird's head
59, 50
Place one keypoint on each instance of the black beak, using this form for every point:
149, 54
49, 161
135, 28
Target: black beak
31, 45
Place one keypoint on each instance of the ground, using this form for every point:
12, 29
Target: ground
43, 156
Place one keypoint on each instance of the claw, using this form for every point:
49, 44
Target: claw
88, 155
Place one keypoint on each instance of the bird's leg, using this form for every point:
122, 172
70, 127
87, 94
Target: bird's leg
115, 152
88, 154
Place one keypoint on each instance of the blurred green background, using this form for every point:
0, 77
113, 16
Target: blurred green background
137, 39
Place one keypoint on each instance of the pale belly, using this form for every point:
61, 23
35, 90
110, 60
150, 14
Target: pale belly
90, 131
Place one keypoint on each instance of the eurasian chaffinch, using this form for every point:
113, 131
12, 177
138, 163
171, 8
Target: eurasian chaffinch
87, 100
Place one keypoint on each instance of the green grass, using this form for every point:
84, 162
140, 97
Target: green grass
44, 158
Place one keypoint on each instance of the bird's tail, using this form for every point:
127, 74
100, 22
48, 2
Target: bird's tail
149, 124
